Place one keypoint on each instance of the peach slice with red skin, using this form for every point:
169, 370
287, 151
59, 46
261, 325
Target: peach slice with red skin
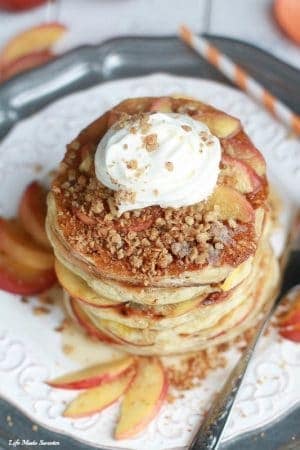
96, 399
162, 104
18, 244
35, 39
24, 63
122, 332
241, 147
231, 204
143, 399
17, 278
85, 322
93, 376
289, 322
32, 213
292, 317
78, 288
291, 333
220, 124
20, 5
239, 175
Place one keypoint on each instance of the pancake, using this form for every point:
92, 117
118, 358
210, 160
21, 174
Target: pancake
90, 240
163, 281
182, 339
200, 309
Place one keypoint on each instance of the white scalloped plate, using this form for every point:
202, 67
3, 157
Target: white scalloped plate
30, 349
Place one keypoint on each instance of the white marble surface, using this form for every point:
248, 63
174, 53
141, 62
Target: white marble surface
92, 21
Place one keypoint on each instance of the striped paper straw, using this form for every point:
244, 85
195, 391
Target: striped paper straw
241, 78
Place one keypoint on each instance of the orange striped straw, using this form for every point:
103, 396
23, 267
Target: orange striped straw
241, 78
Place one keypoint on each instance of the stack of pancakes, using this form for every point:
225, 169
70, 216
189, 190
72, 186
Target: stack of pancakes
164, 280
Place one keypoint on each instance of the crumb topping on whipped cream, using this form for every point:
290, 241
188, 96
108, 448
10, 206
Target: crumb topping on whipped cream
164, 159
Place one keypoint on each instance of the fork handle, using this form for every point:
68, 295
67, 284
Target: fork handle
210, 432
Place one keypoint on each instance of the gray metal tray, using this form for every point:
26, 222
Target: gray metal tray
131, 56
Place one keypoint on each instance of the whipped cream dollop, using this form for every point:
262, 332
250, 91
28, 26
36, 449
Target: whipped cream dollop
164, 159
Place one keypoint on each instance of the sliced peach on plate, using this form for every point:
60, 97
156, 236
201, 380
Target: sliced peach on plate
143, 399
292, 316
24, 63
239, 175
18, 244
98, 398
220, 124
231, 204
35, 39
287, 14
17, 278
93, 376
291, 333
241, 147
85, 322
78, 288
32, 212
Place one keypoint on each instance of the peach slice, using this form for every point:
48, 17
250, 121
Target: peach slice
143, 399
124, 333
93, 376
178, 309
241, 147
292, 316
85, 322
35, 39
32, 212
98, 398
291, 333
17, 278
220, 124
16, 243
24, 63
78, 288
20, 5
238, 275
162, 104
239, 175
231, 204
287, 14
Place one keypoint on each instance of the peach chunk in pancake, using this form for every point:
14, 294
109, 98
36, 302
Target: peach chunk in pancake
241, 147
85, 322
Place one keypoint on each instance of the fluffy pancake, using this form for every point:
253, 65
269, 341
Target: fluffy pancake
83, 228
160, 281
204, 309
186, 338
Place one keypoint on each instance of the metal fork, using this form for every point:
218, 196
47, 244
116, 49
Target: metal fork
210, 431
